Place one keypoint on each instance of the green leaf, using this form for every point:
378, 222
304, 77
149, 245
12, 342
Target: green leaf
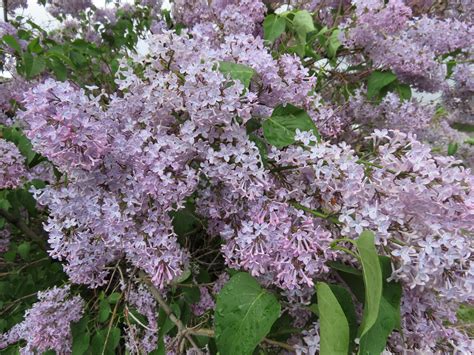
469, 141
314, 309
191, 294
105, 341
104, 310
113, 340
33, 65
236, 71
59, 69
303, 24
12, 42
164, 322
279, 129
404, 91
24, 250
114, 297
4, 203
345, 301
388, 319
183, 277
273, 27
244, 315
34, 46
252, 125
27, 200
185, 222
14, 135
334, 328
465, 313
352, 277
333, 43
452, 148
80, 336
463, 127
377, 81
372, 275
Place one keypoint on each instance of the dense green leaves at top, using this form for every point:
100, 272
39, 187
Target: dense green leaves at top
236, 71
334, 327
273, 27
372, 275
244, 315
377, 81
279, 129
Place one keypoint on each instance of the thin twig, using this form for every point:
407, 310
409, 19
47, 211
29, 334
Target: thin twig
181, 328
210, 333
23, 267
114, 313
5, 10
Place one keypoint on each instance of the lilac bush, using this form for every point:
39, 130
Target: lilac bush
202, 193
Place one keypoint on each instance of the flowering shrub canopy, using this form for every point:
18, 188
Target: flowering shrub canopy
288, 177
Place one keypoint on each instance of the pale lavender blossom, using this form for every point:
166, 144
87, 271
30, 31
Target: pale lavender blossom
47, 325
12, 165
206, 302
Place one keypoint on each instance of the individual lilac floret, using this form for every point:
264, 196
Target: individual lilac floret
47, 325
12, 165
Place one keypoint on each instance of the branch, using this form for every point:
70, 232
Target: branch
23, 227
181, 328
186, 332
210, 333
5, 10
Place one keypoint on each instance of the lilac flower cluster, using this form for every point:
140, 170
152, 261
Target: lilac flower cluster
409, 46
424, 328
234, 16
62, 128
47, 325
178, 126
131, 169
12, 165
406, 116
67, 7
280, 244
419, 205
206, 302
